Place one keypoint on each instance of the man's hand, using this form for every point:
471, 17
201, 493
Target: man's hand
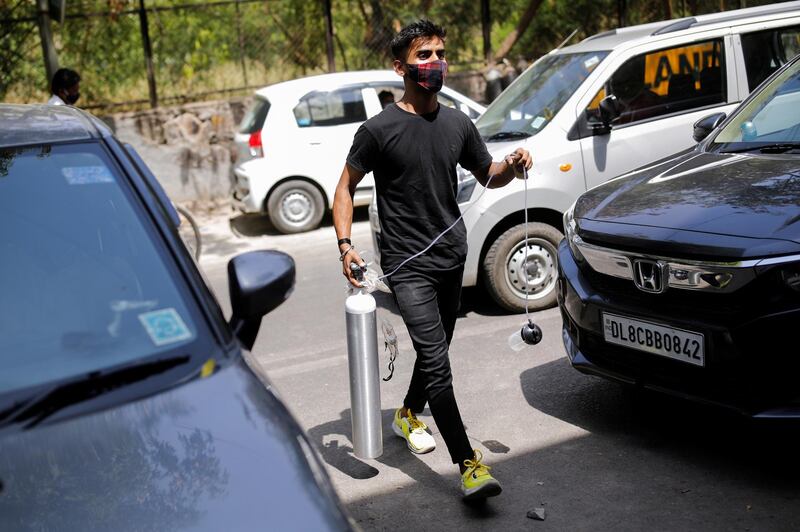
351, 257
520, 160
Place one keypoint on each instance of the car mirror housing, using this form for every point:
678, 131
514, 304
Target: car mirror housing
258, 282
609, 110
707, 124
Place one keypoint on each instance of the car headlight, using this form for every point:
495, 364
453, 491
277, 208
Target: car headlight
466, 185
571, 232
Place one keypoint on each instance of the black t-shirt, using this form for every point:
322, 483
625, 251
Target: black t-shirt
413, 158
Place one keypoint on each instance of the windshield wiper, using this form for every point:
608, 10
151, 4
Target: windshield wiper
777, 147
506, 135
36, 409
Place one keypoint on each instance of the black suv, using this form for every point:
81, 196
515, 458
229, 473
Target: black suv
684, 276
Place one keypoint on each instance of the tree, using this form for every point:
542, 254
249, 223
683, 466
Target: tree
522, 25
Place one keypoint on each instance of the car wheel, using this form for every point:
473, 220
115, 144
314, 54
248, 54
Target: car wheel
295, 206
510, 279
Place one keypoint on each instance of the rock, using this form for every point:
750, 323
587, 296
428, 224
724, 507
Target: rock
537, 514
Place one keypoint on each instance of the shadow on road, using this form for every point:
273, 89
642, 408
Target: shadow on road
707, 436
338, 452
259, 224
632, 461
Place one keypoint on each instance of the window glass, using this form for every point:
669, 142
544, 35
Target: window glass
447, 101
388, 93
766, 51
772, 116
83, 285
334, 108
666, 81
536, 96
254, 118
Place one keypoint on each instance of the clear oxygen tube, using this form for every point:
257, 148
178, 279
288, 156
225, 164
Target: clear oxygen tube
530, 334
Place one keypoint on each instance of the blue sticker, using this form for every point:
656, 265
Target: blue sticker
165, 326
87, 175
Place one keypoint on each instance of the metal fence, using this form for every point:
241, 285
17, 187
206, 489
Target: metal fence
145, 53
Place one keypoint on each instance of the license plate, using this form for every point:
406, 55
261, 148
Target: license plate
678, 344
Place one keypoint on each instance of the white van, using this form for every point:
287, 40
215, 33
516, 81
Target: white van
595, 110
294, 139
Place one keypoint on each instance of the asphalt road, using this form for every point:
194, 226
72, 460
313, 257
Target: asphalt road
595, 455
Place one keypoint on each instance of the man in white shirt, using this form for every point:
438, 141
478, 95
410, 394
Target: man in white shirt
65, 87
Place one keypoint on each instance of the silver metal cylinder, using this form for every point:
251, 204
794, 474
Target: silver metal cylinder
365, 391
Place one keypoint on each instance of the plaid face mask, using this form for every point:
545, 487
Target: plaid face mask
430, 76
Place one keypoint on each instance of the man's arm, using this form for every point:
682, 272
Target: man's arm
343, 218
505, 170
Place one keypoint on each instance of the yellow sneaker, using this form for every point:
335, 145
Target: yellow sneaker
476, 482
414, 431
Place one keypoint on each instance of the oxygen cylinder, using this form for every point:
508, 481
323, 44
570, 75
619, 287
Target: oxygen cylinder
365, 392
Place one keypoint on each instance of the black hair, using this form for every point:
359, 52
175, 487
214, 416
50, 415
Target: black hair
64, 78
424, 29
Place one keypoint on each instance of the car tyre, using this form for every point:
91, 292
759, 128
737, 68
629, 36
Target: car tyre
503, 273
295, 206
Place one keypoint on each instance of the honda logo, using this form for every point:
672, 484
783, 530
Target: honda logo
650, 276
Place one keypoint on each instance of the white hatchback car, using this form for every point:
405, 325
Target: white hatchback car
294, 139
595, 110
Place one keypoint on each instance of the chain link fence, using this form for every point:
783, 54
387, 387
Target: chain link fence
210, 49
198, 49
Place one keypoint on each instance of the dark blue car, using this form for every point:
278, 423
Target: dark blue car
126, 402
684, 276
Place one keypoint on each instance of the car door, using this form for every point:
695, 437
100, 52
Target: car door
765, 47
660, 92
327, 122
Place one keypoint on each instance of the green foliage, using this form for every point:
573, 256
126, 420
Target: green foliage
203, 48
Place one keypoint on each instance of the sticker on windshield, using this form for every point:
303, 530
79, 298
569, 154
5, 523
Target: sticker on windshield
87, 175
537, 122
165, 326
591, 62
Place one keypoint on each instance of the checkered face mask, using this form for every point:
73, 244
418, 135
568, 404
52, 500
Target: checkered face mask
430, 76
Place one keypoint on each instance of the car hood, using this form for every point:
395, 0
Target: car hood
220, 453
735, 205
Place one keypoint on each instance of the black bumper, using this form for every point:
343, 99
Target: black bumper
752, 360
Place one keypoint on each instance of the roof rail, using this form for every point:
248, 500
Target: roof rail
758, 11
599, 35
738, 14
678, 25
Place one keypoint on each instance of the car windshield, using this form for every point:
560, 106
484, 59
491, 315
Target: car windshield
83, 285
771, 120
529, 104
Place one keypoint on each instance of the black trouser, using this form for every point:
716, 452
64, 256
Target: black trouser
429, 305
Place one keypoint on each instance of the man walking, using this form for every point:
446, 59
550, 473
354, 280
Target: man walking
413, 147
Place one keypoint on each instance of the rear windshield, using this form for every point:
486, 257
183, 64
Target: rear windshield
83, 285
254, 118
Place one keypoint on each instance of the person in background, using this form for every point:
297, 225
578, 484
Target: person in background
65, 87
386, 98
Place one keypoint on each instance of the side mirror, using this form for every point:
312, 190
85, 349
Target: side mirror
707, 124
609, 110
258, 282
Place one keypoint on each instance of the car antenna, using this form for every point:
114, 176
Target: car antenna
565, 41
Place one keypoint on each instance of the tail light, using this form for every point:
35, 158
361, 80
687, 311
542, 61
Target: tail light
256, 149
